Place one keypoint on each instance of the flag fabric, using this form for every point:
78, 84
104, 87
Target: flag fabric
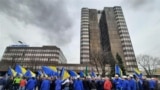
20, 69
137, 73
81, 73
86, 71
93, 74
29, 74
72, 73
53, 68
64, 74
39, 73
12, 72
118, 70
48, 71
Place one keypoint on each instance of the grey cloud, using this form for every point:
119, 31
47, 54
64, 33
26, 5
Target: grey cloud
50, 15
136, 4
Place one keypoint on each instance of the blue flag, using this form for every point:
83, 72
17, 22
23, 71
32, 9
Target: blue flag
118, 70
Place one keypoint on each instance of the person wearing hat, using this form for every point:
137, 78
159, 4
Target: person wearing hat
78, 85
117, 82
125, 83
132, 82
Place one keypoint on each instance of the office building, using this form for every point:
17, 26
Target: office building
106, 31
32, 57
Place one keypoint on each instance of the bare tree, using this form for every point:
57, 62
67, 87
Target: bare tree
100, 59
148, 63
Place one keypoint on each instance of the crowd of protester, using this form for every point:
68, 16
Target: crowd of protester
79, 83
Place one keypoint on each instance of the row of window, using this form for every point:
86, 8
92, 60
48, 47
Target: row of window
84, 20
84, 29
129, 58
130, 69
84, 26
131, 63
85, 43
85, 60
122, 24
123, 31
38, 54
31, 59
83, 36
86, 17
33, 50
85, 51
85, 55
127, 48
124, 35
122, 27
129, 53
126, 43
85, 39
85, 47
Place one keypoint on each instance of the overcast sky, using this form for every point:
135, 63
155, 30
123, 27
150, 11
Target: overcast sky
57, 22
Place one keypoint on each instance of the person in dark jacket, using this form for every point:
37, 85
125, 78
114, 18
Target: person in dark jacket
100, 83
86, 83
145, 84
93, 84
52, 84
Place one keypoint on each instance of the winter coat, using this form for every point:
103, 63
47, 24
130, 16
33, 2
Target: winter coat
132, 84
45, 85
107, 85
31, 83
58, 83
78, 85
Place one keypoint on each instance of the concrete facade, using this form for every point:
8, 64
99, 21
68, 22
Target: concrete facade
108, 33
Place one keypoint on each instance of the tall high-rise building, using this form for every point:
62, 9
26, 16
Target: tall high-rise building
106, 31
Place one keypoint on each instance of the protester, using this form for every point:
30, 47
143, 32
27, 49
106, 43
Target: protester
118, 83
31, 84
125, 83
23, 83
16, 82
45, 84
145, 84
132, 82
58, 83
78, 85
107, 84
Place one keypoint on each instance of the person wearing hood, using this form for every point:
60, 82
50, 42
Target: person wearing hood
78, 85
45, 84
31, 83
